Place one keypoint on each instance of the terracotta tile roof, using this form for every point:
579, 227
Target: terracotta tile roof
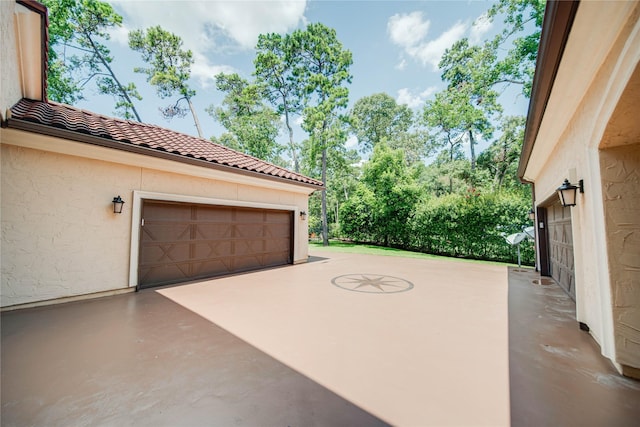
129, 134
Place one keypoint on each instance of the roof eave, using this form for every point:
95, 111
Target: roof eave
110, 143
42, 10
558, 19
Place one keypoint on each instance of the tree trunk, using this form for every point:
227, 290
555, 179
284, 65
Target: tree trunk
292, 146
195, 117
472, 148
451, 146
325, 228
113, 76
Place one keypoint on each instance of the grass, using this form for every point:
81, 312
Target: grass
356, 248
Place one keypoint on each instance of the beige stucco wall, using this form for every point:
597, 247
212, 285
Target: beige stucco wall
621, 185
587, 89
60, 237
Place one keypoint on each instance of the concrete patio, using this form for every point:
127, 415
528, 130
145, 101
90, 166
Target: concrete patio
343, 340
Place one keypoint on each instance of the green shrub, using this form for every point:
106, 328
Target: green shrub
471, 226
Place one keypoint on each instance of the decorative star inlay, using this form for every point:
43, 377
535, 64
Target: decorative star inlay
372, 283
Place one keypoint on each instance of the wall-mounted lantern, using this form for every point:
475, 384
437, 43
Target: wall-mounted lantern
303, 215
567, 192
117, 204
532, 214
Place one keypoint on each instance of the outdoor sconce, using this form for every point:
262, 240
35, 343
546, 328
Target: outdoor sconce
532, 214
117, 204
567, 192
303, 215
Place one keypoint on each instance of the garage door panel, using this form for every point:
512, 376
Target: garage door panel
156, 231
276, 245
561, 247
251, 230
220, 214
212, 249
169, 212
244, 247
249, 215
203, 269
276, 218
168, 273
213, 231
181, 242
171, 252
273, 259
278, 231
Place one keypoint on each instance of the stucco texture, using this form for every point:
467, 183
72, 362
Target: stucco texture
60, 237
621, 178
578, 122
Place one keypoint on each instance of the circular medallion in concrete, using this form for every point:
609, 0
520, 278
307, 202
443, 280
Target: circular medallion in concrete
372, 283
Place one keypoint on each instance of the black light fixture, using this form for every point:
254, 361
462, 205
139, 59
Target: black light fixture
532, 214
117, 204
303, 215
567, 192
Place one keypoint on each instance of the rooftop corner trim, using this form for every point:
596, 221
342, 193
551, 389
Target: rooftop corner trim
558, 20
42, 10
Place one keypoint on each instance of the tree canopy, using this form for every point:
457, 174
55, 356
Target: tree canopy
251, 124
322, 73
379, 117
81, 25
169, 68
422, 175
274, 64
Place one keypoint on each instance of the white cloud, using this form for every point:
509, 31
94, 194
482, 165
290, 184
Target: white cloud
431, 52
206, 72
352, 142
409, 31
120, 35
480, 27
401, 65
207, 26
414, 101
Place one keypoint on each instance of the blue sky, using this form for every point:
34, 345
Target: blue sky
396, 46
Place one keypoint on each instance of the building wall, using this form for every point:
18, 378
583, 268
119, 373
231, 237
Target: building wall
574, 128
621, 185
567, 146
60, 237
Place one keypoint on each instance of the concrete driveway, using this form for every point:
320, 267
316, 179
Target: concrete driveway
342, 340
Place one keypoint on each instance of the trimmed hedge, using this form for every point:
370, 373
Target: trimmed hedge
467, 226
471, 226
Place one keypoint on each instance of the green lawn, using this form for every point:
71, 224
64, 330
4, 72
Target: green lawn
340, 246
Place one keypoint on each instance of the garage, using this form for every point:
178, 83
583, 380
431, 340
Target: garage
181, 242
561, 247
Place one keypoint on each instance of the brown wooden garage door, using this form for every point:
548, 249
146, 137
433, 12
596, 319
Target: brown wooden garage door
561, 247
181, 242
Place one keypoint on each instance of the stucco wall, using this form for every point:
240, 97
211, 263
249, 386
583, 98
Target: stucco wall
567, 146
60, 237
621, 185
